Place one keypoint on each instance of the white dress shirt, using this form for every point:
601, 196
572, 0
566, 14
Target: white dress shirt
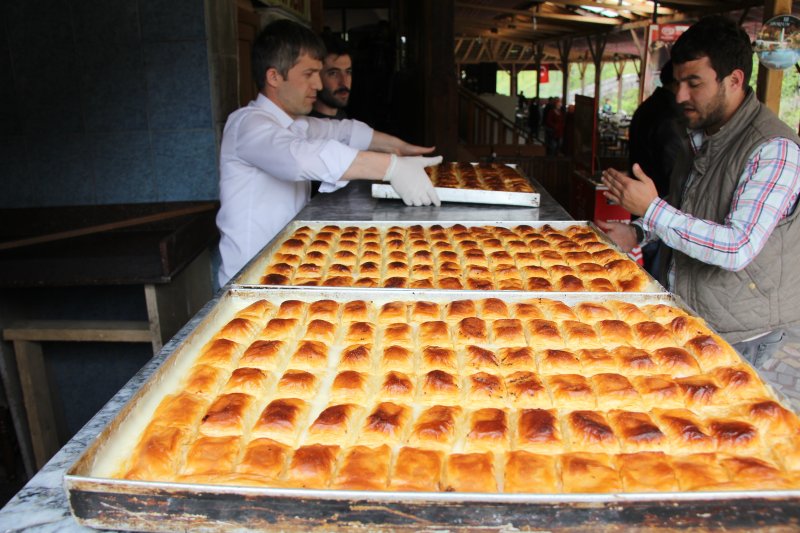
266, 162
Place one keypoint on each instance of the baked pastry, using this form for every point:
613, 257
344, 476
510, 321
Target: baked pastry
457, 257
477, 395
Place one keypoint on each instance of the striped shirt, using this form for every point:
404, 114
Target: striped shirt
767, 193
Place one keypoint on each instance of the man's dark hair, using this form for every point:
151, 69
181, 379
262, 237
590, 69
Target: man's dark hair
726, 45
666, 75
279, 45
335, 45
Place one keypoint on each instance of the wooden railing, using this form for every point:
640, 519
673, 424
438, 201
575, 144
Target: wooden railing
480, 123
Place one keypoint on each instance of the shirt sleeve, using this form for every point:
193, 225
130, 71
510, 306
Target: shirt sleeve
299, 152
767, 192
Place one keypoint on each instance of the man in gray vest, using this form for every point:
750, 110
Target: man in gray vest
730, 219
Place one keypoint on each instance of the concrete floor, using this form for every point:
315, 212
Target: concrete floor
783, 370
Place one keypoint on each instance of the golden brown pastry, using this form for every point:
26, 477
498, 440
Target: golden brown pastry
558, 362
222, 353
658, 390
310, 355
363, 468
485, 389
229, 415
298, 384
487, 430
637, 432
589, 431
538, 430
386, 424
436, 427
438, 386
356, 357
646, 472
589, 472
312, 466
530, 473
334, 424
470, 472
397, 358
351, 386
417, 470
399, 334
508, 332
570, 391
212, 455
264, 458
437, 358
252, 381
699, 471
614, 391
686, 432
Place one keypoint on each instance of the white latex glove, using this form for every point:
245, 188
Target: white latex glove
407, 176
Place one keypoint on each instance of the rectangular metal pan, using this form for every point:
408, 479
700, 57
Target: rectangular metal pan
98, 501
251, 274
471, 196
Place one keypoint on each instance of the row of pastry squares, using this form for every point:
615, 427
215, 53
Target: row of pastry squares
486, 244
271, 464
477, 258
477, 334
681, 451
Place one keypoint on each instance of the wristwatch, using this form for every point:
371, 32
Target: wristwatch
639, 233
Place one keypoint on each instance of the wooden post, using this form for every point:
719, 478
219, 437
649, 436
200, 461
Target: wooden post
582, 71
619, 67
538, 56
596, 48
768, 88
514, 89
564, 47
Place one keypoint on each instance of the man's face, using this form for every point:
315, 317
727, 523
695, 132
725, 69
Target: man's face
704, 100
337, 77
297, 93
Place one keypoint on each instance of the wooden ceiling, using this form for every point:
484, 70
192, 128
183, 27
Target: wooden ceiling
510, 32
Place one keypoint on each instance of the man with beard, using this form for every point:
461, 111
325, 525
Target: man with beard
337, 78
729, 223
271, 150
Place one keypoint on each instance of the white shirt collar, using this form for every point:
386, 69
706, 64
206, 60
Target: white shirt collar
268, 105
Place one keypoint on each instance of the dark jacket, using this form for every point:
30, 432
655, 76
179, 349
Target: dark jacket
657, 139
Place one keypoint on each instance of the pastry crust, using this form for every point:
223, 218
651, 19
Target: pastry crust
477, 395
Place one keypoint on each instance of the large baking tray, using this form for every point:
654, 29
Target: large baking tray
473, 196
252, 272
98, 501
470, 196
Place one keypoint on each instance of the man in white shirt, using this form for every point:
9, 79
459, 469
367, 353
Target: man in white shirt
271, 151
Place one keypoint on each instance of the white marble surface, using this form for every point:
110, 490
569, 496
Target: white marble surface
41, 506
355, 202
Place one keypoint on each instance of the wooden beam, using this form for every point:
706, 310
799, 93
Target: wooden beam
646, 8
768, 87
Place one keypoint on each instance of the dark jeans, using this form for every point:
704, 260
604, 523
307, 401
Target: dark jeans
759, 351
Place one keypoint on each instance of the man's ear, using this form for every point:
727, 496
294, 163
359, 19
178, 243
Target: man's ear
272, 77
737, 78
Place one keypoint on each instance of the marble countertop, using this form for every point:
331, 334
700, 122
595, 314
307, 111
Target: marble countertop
42, 504
355, 202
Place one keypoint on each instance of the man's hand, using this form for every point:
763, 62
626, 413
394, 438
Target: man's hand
623, 235
633, 194
408, 177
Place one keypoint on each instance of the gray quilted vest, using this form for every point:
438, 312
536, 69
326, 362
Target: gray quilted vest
766, 294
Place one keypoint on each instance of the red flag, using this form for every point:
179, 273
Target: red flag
544, 74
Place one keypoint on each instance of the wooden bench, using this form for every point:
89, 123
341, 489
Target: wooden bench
27, 338
169, 307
